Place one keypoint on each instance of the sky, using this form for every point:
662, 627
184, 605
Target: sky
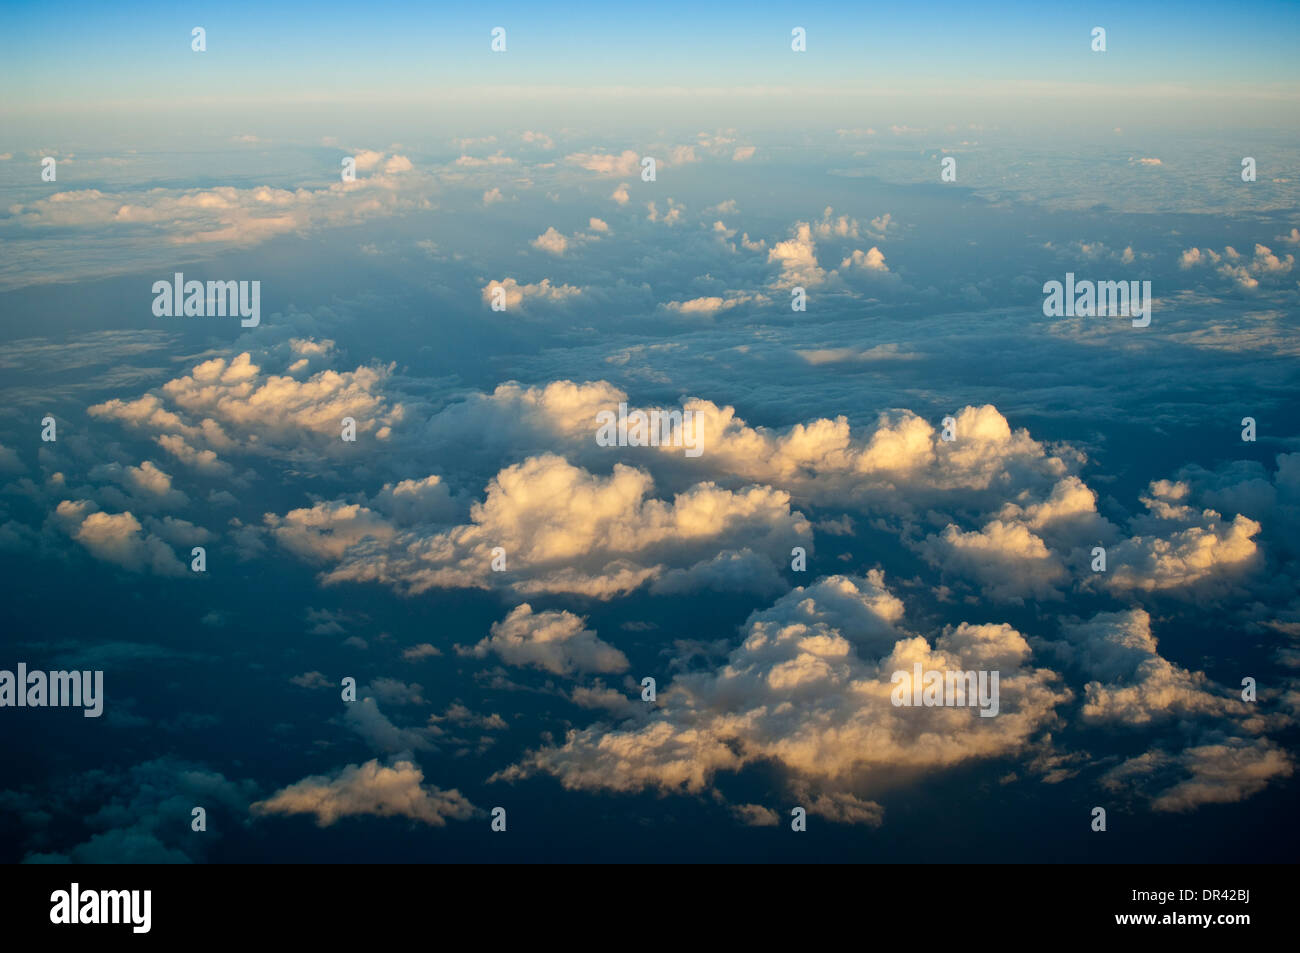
362, 577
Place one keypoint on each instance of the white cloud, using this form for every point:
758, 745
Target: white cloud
809, 692
395, 790
517, 294
551, 241
553, 641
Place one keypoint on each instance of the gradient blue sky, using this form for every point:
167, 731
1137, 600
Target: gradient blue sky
89, 53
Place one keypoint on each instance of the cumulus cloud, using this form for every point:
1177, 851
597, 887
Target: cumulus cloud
395, 790
809, 692
551, 241
797, 257
563, 529
1244, 271
553, 641
1185, 549
1220, 771
117, 538
873, 260
232, 405
1008, 560
516, 294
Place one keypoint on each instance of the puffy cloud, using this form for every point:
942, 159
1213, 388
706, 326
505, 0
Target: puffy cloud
620, 194
1006, 558
553, 641
563, 530
711, 305
516, 294
551, 241
628, 163
1245, 272
395, 790
797, 257
226, 405
671, 217
117, 538
743, 153
832, 227
809, 691
598, 225
1219, 771
492, 195
900, 464
873, 260
1131, 683
1201, 557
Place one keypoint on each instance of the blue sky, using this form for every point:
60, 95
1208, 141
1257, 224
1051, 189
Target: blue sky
140, 51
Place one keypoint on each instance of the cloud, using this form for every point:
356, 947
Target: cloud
626, 164
873, 260
375, 728
117, 538
1186, 548
553, 641
831, 227
516, 294
808, 692
487, 162
713, 304
138, 814
1007, 559
563, 529
797, 257
1245, 272
226, 214
232, 405
682, 155
492, 195
743, 153
395, 790
423, 650
538, 139
1131, 683
551, 241
1221, 771
620, 194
